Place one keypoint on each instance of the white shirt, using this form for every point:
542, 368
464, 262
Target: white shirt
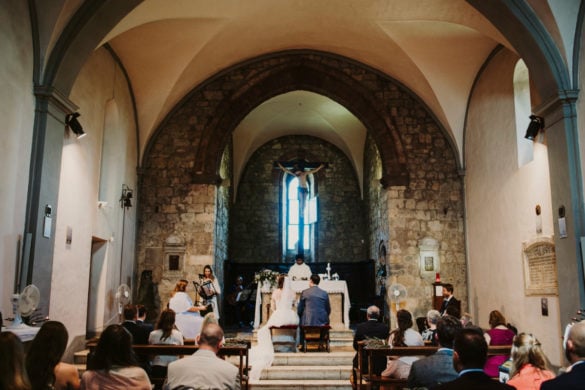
300, 272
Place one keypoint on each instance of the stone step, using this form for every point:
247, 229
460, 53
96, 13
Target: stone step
310, 384
306, 372
313, 359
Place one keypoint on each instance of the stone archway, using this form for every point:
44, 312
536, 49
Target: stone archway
339, 78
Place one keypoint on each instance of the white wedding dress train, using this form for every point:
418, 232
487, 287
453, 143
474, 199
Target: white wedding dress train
262, 354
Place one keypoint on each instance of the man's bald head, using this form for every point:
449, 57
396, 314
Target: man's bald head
576, 341
211, 335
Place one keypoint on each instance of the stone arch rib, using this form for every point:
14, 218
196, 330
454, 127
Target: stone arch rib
310, 72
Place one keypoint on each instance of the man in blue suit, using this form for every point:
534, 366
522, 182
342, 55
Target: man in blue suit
575, 353
438, 368
314, 307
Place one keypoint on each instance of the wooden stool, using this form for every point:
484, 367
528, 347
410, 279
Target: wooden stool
318, 335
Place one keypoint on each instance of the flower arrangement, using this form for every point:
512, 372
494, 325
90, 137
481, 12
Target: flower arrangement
266, 275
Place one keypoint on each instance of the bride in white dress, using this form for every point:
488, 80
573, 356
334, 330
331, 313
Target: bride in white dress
262, 354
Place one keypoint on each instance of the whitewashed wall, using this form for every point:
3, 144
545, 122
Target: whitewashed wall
105, 106
500, 202
17, 113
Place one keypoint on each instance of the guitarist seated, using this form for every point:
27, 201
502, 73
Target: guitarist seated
240, 299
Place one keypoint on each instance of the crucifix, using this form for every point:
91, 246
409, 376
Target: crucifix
301, 170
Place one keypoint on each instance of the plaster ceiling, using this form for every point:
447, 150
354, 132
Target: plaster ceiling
433, 47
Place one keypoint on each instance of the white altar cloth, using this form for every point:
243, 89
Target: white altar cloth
330, 286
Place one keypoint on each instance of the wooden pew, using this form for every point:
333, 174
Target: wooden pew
240, 349
370, 378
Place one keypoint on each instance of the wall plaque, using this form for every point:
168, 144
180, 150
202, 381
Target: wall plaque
540, 267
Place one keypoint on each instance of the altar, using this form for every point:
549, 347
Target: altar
338, 298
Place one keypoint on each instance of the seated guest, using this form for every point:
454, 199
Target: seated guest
438, 368
372, 328
469, 357
299, 270
529, 364
165, 333
187, 316
499, 334
139, 334
141, 318
203, 369
466, 320
114, 365
43, 360
428, 334
574, 378
12, 368
403, 336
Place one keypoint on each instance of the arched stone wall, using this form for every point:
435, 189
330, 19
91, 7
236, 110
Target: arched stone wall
374, 98
417, 165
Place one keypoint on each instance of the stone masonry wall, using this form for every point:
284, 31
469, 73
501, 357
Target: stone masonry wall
256, 233
423, 189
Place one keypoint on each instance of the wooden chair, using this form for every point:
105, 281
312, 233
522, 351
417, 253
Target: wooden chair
291, 343
316, 335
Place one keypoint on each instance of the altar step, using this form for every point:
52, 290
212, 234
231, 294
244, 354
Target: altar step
304, 371
339, 340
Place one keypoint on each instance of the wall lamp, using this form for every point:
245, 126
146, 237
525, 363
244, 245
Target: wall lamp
73, 124
536, 124
126, 199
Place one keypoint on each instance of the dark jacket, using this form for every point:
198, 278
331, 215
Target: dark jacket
370, 329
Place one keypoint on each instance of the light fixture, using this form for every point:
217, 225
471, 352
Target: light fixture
73, 124
536, 124
126, 199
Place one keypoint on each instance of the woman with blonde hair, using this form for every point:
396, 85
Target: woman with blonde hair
529, 364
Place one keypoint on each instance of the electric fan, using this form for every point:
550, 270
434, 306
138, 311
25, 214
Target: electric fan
123, 296
24, 304
397, 294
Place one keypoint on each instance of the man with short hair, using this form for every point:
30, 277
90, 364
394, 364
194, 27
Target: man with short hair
299, 270
139, 334
469, 357
370, 329
449, 301
437, 368
314, 307
203, 369
141, 318
574, 378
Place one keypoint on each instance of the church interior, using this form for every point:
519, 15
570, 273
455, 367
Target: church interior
141, 138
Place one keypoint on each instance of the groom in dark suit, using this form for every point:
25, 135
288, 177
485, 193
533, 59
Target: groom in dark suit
314, 307
438, 368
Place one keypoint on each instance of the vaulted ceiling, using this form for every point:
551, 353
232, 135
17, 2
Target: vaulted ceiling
435, 48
